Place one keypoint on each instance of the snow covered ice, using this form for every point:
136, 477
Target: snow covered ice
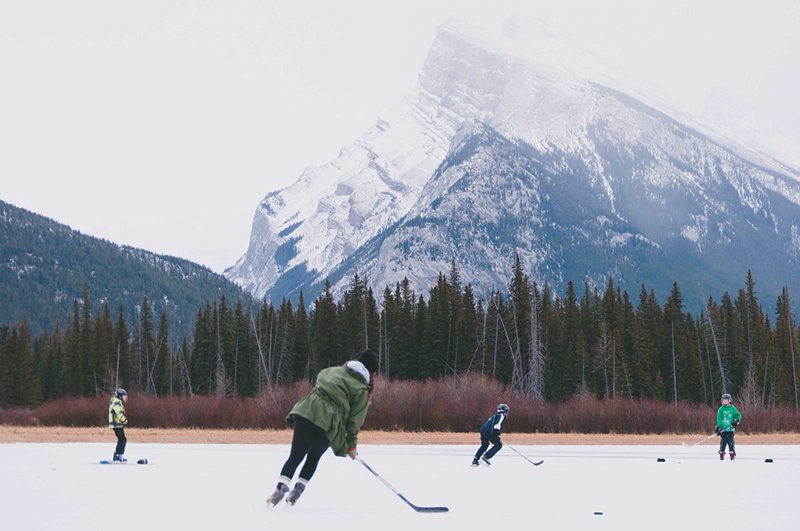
194, 486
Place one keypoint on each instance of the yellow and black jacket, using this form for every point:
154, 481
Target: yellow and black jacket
116, 413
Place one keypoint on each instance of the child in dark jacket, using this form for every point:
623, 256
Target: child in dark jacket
490, 433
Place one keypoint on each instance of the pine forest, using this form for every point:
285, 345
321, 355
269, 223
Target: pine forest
588, 341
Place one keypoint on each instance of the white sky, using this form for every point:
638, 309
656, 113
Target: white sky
161, 124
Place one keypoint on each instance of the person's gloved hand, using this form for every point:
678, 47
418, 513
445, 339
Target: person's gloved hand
717, 430
352, 453
735, 423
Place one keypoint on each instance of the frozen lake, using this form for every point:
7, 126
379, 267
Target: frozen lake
193, 486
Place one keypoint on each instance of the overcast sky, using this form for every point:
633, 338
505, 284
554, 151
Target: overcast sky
161, 124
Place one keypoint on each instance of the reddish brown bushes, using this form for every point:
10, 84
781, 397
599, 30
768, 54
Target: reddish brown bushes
459, 404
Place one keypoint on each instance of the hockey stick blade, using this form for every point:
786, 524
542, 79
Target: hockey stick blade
423, 509
415, 507
534, 463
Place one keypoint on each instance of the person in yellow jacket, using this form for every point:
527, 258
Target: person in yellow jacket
117, 421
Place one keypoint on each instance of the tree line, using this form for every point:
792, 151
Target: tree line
590, 340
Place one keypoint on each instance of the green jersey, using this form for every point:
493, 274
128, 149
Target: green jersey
726, 415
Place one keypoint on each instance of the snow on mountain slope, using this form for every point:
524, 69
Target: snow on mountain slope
641, 214
628, 189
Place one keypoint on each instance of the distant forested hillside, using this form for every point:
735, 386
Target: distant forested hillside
45, 266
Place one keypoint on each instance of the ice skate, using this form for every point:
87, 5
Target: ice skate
119, 458
475, 462
280, 491
732, 456
297, 491
486, 461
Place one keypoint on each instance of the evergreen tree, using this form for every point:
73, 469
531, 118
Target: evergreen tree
202, 352
162, 372
43, 365
121, 362
573, 350
469, 329
387, 349
143, 348
786, 350
645, 347
285, 347
325, 348
406, 352
20, 386
520, 299
591, 378
73, 355
102, 342
425, 362
302, 339
439, 328
354, 320
247, 363
454, 357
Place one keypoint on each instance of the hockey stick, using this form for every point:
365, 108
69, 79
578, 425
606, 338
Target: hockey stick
701, 441
534, 463
415, 507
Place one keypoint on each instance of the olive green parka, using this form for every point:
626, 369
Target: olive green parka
337, 404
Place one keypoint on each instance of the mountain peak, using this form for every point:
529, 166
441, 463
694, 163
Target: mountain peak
524, 156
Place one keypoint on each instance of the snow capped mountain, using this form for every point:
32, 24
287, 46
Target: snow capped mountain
495, 197
495, 154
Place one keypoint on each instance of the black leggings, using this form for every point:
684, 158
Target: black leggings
309, 441
496, 445
121, 440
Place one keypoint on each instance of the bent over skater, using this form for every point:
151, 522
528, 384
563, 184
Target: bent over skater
331, 415
490, 433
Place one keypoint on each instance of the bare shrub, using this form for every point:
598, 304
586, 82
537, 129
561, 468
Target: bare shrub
455, 403
447, 404
73, 412
781, 420
17, 416
274, 404
195, 412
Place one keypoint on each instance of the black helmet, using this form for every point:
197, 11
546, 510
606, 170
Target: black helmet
367, 357
119, 393
502, 408
726, 396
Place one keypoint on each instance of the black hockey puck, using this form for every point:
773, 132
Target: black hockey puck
141, 462
660, 459
768, 460
599, 513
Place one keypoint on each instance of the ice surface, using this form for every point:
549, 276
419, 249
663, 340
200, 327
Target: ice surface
59, 486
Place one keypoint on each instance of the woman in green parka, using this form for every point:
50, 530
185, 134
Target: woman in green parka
331, 415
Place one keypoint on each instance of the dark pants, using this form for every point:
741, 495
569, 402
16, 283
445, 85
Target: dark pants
726, 438
121, 440
495, 440
309, 441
